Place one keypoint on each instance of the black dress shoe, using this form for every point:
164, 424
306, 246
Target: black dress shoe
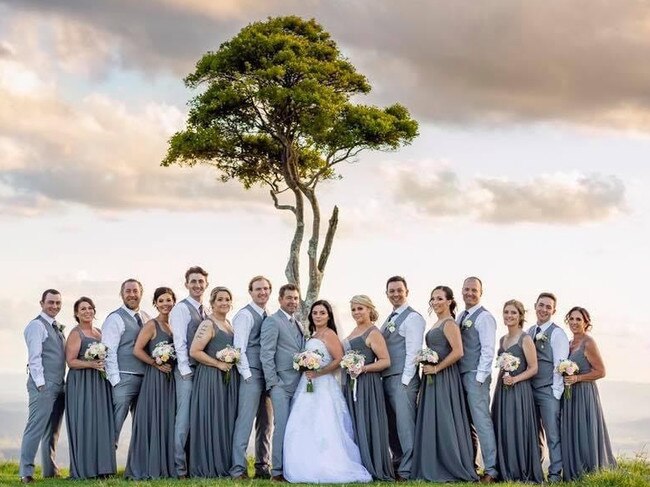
262, 476
399, 478
278, 478
27, 479
243, 476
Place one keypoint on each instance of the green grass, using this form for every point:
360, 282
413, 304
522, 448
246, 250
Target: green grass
631, 473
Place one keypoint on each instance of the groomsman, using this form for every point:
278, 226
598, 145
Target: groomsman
552, 347
254, 402
184, 319
281, 337
124, 371
403, 331
46, 355
478, 330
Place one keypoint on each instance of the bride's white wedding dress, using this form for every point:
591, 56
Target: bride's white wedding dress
319, 440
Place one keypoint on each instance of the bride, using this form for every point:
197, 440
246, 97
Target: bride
319, 440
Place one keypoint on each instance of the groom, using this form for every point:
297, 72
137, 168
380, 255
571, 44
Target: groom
552, 346
281, 337
403, 331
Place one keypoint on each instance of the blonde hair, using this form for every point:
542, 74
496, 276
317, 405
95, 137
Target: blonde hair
520, 308
364, 300
217, 290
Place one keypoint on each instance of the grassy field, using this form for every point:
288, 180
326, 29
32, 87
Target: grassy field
631, 473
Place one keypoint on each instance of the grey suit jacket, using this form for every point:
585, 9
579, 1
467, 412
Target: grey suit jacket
279, 342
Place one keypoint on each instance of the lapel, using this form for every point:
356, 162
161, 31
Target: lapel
290, 328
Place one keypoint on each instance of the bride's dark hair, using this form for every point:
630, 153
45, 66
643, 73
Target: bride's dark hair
330, 316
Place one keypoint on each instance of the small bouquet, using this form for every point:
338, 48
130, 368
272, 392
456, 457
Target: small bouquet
353, 362
164, 353
508, 363
229, 355
97, 351
567, 368
308, 360
426, 356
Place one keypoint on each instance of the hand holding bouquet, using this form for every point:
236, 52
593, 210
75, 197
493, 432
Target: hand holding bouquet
507, 362
164, 354
426, 356
567, 368
229, 355
353, 363
97, 351
308, 360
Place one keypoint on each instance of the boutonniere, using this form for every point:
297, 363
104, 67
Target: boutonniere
60, 327
467, 324
541, 339
391, 327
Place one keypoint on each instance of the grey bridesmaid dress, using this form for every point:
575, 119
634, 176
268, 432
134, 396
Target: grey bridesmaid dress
89, 420
213, 410
585, 441
151, 452
515, 425
443, 450
369, 412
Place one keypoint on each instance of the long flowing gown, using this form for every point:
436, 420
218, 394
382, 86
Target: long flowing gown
89, 419
151, 452
443, 450
319, 439
213, 410
515, 424
368, 411
585, 441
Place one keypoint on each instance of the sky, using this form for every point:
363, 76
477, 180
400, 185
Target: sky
530, 169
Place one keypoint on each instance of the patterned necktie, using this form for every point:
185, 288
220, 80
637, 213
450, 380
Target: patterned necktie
201, 314
463, 316
264, 315
295, 322
538, 330
138, 319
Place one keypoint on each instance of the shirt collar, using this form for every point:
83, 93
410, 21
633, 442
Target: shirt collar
399, 310
47, 318
544, 326
289, 317
130, 311
260, 311
193, 302
473, 308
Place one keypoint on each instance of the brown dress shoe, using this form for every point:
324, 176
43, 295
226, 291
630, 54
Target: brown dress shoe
27, 479
278, 478
399, 478
243, 476
487, 479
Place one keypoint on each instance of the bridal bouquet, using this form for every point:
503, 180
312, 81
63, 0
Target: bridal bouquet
426, 356
353, 362
164, 353
508, 363
97, 351
308, 360
567, 368
229, 355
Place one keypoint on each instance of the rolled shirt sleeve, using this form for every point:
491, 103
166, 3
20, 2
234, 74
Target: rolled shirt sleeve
560, 346
242, 324
486, 326
412, 329
112, 331
179, 318
35, 334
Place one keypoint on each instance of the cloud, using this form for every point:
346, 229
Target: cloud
544, 199
97, 152
500, 63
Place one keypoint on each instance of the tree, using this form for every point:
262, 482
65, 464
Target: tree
275, 110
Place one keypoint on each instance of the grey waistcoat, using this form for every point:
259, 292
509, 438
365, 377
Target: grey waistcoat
192, 326
53, 354
545, 367
126, 361
396, 344
253, 346
471, 343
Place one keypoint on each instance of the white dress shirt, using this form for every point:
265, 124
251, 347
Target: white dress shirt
242, 324
35, 334
486, 326
412, 329
179, 318
560, 347
112, 331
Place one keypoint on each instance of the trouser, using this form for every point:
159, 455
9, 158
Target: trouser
281, 400
182, 422
400, 408
548, 412
125, 397
45, 415
478, 404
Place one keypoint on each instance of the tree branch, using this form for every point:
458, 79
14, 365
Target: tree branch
329, 239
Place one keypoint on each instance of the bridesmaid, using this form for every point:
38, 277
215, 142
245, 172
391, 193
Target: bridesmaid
368, 411
585, 441
513, 407
213, 407
88, 401
151, 452
443, 450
